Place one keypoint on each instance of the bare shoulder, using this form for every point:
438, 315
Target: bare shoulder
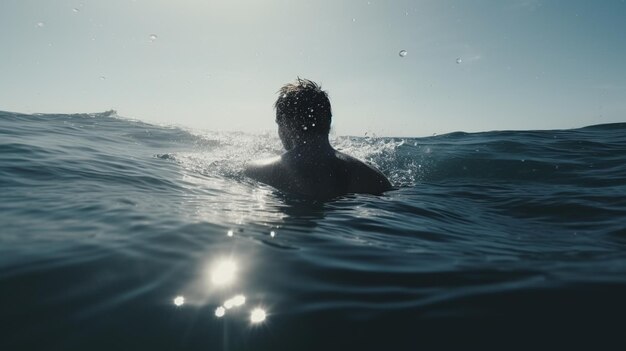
326, 176
263, 170
365, 178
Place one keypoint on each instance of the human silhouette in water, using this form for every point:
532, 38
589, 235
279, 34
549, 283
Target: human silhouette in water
311, 166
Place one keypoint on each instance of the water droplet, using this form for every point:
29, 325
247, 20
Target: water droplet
458, 60
75, 10
40, 24
312, 124
354, 20
230, 233
272, 234
406, 13
402, 53
305, 128
103, 78
153, 37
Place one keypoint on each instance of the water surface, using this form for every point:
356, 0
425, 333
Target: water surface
501, 238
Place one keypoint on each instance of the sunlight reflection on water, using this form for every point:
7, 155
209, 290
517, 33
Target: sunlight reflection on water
179, 300
220, 312
237, 204
223, 272
257, 315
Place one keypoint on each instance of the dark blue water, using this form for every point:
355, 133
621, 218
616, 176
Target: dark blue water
498, 238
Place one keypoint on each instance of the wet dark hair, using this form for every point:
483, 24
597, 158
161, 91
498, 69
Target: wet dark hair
303, 107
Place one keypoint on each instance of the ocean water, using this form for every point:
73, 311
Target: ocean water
499, 238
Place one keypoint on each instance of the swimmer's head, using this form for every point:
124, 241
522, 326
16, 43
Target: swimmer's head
303, 109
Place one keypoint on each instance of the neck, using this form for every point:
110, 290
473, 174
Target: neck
314, 144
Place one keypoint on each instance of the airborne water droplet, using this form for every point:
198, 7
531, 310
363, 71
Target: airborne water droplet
40, 24
75, 10
103, 78
458, 60
153, 37
402, 53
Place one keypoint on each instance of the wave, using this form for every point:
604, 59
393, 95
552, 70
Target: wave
554, 156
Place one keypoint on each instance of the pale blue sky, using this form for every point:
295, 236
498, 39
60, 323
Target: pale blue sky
526, 64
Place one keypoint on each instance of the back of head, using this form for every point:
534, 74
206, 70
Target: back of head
303, 107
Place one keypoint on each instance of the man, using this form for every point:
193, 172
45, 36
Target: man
311, 166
